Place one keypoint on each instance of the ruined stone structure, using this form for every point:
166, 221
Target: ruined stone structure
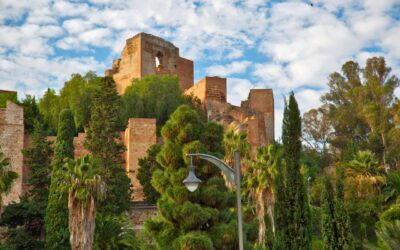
12, 143
145, 54
254, 116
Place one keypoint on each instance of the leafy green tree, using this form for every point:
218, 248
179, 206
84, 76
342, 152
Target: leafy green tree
103, 141
361, 105
342, 103
31, 113
147, 166
198, 220
77, 95
49, 107
296, 218
85, 187
56, 220
152, 97
7, 177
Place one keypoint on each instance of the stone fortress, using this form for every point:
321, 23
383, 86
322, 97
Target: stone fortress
146, 54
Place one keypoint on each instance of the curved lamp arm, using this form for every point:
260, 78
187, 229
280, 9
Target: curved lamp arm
227, 170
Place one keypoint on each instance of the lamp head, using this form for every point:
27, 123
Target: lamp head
191, 182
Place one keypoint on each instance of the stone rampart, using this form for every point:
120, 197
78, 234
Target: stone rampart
12, 144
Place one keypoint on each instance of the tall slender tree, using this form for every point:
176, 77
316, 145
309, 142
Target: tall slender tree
103, 141
56, 220
297, 214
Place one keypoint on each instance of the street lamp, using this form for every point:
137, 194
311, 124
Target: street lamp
233, 175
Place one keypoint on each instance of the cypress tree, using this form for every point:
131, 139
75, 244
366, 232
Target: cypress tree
198, 220
328, 220
342, 218
297, 215
103, 141
57, 232
335, 221
280, 236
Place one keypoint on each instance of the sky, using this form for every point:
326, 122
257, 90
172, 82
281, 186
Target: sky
283, 45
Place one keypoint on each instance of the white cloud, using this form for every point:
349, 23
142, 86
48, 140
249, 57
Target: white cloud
236, 67
298, 45
238, 90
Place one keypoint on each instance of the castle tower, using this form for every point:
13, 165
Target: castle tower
145, 54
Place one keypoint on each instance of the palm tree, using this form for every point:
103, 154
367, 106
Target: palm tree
7, 177
367, 173
259, 184
234, 141
389, 234
85, 187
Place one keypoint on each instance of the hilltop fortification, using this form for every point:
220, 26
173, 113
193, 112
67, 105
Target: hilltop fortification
145, 54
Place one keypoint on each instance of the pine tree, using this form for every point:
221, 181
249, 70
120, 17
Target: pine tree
57, 233
103, 142
38, 161
297, 215
198, 220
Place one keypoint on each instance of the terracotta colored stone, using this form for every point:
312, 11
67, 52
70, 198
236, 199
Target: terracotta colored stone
145, 54
140, 135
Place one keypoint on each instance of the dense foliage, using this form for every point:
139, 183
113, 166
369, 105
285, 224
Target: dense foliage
152, 97
198, 220
103, 141
148, 166
57, 233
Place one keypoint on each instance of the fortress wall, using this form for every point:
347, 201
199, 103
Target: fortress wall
140, 135
12, 143
185, 73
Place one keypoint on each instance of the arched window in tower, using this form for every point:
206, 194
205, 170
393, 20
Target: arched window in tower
159, 60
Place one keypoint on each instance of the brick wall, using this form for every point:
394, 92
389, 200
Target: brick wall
12, 143
139, 136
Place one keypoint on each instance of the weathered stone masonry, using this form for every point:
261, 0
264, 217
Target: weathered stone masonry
12, 144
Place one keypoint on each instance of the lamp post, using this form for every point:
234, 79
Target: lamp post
233, 175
